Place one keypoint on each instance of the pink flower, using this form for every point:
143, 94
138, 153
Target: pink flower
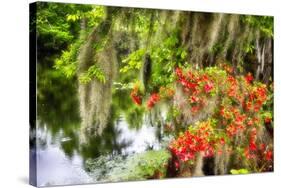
208, 87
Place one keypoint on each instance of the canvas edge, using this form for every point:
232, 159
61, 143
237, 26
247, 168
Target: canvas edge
32, 95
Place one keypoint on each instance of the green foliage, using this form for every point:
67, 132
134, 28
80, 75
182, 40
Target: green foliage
263, 23
94, 16
59, 34
67, 62
173, 113
133, 61
153, 162
165, 58
249, 48
239, 171
93, 72
59, 30
143, 22
51, 24
215, 72
140, 166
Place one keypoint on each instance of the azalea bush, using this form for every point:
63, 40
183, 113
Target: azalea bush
199, 139
239, 116
221, 114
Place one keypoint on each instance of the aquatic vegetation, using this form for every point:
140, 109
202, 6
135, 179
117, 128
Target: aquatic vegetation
140, 166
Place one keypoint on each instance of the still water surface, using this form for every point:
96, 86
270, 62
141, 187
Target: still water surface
61, 159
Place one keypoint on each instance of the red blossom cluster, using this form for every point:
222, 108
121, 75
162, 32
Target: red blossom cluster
244, 120
233, 120
267, 120
249, 78
233, 89
253, 150
164, 93
239, 114
135, 96
197, 86
256, 98
192, 82
189, 144
153, 99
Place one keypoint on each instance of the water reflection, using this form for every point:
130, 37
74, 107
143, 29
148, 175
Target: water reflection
62, 158
53, 164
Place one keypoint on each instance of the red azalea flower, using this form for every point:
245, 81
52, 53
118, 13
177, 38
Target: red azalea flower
154, 98
248, 154
179, 73
249, 78
222, 111
268, 155
186, 146
208, 87
267, 120
252, 146
250, 122
136, 99
194, 99
222, 141
204, 78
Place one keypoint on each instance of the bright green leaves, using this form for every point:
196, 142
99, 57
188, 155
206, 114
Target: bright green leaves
67, 62
153, 163
239, 171
171, 41
51, 25
133, 61
93, 72
94, 16
65, 66
166, 56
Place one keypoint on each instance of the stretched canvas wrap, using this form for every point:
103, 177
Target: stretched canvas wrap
126, 94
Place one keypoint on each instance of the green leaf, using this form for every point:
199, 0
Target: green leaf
93, 72
239, 171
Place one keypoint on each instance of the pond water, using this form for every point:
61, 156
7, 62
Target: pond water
62, 159
54, 167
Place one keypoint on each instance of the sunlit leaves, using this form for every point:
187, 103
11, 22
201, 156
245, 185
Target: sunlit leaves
93, 72
133, 61
239, 171
67, 62
94, 16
